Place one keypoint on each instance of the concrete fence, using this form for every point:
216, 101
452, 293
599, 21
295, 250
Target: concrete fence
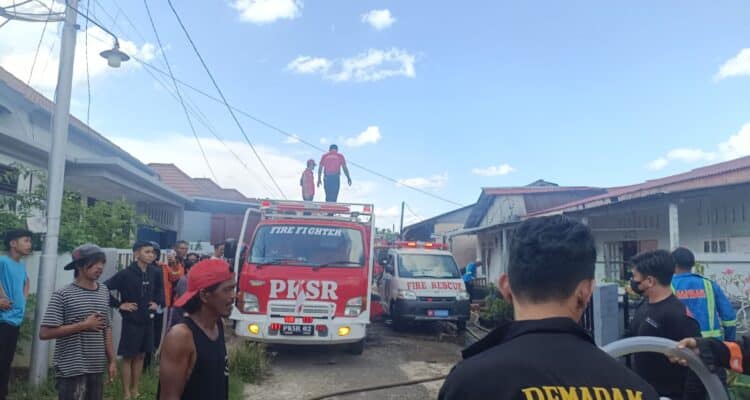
116, 259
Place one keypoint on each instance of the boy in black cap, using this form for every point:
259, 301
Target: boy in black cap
78, 316
14, 288
141, 292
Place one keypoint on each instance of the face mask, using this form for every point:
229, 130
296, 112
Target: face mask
635, 286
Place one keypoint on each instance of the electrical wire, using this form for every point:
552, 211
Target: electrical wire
201, 117
192, 107
226, 103
149, 66
38, 46
412, 211
242, 112
177, 90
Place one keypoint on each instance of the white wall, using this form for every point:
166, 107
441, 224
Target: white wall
196, 226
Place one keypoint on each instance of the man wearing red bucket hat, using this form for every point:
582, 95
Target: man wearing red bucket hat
194, 356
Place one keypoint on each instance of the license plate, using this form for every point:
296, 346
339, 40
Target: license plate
437, 313
297, 330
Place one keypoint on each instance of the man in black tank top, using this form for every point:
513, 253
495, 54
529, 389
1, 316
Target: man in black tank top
193, 362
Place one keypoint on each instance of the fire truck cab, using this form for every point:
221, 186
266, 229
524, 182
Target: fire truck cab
421, 282
307, 276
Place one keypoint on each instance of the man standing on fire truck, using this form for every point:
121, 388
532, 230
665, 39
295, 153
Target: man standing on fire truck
332, 163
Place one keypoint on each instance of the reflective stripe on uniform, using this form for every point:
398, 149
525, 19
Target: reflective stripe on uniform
711, 300
729, 324
716, 333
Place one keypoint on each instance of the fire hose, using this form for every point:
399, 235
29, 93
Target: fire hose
668, 347
620, 348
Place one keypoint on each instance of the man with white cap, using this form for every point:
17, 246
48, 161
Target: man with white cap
194, 362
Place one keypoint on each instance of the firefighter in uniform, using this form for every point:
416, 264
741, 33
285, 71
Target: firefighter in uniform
545, 354
703, 297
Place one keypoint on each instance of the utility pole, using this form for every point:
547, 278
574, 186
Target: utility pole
401, 229
55, 179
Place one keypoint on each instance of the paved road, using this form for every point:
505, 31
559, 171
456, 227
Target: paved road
389, 357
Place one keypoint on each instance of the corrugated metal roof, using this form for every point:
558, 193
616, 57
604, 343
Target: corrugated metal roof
722, 174
489, 194
509, 191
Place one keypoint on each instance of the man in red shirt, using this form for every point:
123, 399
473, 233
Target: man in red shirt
332, 163
308, 181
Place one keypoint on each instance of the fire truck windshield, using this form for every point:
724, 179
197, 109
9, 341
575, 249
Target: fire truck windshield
308, 245
436, 266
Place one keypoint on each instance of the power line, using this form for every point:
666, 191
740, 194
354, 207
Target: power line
226, 103
412, 211
149, 66
290, 135
192, 107
38, 46
177, 90
204, 121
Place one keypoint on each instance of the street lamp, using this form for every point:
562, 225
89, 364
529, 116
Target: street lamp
114, 56
56, 165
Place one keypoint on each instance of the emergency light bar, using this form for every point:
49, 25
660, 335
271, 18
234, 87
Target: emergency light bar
318, 210
420, 245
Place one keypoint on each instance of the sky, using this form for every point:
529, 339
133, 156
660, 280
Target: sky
447, 97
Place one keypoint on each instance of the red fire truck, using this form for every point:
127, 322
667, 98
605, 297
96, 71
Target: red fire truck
306, 278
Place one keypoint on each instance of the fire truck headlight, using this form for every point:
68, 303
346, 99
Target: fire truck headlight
253, 328
250, 303
354, 307
344, 331
407, 295
463, 295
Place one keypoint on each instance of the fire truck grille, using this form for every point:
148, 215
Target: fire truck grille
314, 310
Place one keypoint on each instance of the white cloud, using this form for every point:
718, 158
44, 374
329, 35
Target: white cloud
309, 65
738, 145
393, 217
372, 65
658, 164
294, 139
432, 182
230, 173
494, 170
18, 44
371, 135
738, 65
323, 140
267, 11
379, 19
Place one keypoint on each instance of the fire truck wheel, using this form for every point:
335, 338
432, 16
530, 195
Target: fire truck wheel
397, 322
356, 348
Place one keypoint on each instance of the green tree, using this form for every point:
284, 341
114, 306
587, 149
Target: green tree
108, 224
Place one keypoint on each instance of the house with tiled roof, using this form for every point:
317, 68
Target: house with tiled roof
95, 167
706, 209
214, 213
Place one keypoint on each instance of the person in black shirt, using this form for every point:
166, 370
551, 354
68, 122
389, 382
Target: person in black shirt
141, 292
544, 354
662, 315
193, 364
